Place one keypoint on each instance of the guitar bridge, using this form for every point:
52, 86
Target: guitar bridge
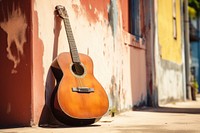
82, 90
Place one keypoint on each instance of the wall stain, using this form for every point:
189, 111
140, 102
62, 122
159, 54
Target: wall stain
117, 94
15, 89
95, 10
113, 93
15, 27
113, 16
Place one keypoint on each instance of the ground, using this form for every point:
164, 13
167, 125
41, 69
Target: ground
179, 117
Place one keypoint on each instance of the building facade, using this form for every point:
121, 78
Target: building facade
169, 51
137, 58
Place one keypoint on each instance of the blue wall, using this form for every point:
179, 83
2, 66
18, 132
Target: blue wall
195, 54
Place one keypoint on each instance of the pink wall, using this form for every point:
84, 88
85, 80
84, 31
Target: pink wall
138, 76
38, 92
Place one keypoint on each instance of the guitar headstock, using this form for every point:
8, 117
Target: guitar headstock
62, 12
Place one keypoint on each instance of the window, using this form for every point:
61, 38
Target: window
136, 17
136, 14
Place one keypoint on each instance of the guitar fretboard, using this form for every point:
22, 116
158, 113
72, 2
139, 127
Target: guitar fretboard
72, 44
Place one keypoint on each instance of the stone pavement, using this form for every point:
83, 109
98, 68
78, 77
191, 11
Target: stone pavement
179, 117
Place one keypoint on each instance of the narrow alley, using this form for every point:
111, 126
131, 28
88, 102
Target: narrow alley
72, 62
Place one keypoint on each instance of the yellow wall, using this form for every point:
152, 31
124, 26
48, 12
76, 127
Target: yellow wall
170, 47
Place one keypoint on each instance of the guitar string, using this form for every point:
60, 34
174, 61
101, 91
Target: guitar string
79, 83
79, 80
71, 41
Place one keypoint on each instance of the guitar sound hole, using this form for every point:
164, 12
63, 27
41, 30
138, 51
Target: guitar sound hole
78, 69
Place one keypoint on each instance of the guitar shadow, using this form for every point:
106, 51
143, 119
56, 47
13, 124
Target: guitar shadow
66, 126
47, 119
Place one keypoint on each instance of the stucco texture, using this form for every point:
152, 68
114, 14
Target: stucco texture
170, 48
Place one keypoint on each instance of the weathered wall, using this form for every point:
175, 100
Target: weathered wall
32, 35
168, 52
140, 74
15, 60
170, 48
98, 32
95, 36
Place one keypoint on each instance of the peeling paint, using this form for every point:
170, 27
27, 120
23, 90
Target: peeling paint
15, 60
113, 16
113, 93
95, 8
15, 27
90, 6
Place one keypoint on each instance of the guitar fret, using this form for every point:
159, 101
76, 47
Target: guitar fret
74, 50
69, 31
72, 44
76, 55
71, 40
75, 58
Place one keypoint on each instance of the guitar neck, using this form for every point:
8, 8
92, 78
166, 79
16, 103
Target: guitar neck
72, 44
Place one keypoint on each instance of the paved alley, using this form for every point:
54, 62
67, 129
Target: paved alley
180, 117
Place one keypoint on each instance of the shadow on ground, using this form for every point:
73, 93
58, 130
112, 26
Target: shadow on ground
65, 126
169, 110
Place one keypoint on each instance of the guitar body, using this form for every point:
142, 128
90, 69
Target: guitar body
78, 98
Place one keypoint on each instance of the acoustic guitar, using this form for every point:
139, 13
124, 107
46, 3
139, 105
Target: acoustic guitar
78, 99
